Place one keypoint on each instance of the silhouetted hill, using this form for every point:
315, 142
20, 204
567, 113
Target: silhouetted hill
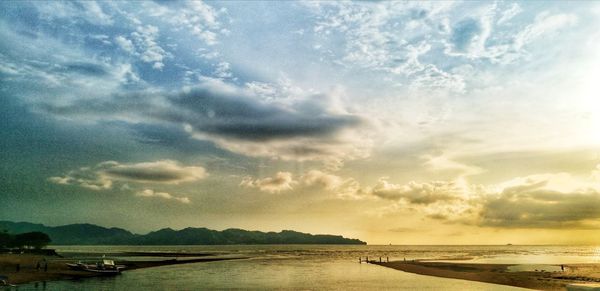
89, 234
73, 234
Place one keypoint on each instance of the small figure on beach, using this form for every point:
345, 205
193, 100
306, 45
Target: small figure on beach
562, 268
18, 267
45, 266
38, 266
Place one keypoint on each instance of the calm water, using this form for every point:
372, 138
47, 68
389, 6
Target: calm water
300, 267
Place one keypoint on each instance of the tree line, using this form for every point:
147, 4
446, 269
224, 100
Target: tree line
29, 240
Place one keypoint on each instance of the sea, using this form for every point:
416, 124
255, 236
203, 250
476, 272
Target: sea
307, 267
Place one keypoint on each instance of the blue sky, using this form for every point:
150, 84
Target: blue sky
472, 120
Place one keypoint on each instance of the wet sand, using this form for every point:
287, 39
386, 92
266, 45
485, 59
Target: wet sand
58, 270
500, 274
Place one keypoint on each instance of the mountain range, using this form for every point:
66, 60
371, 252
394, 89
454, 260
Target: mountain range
90, 234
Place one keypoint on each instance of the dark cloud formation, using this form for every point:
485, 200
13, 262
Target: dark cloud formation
165, 171
235, 115
541, 208
526, 202
228, 116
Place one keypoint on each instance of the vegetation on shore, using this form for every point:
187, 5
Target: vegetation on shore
28, 240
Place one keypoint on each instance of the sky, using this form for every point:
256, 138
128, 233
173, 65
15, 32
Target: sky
392, 122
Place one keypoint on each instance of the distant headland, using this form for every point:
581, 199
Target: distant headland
89, 234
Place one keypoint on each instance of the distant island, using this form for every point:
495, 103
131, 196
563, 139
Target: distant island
89, 234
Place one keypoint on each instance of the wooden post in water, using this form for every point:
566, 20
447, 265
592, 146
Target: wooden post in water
367, 259
387, 259
359, 260
380, 259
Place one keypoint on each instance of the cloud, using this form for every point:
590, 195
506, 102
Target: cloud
466, 34
418, 193
84, 177
443, 163
282, 181
470, 35
125, 44
83, 68
345, 188
308, 128
535, 204
596, 173
223, 70
163, 171
145, 38
404, 229
342, 187
313, 127
88, 11
475, 38
509, 13
164, 195
388, 37
103, 175
544, 23
46, 67
322, 179
232, 113
535, 201
196, 17
95, 14
433, 78
196, 25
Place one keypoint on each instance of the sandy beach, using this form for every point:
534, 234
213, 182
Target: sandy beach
502, 274
57, 269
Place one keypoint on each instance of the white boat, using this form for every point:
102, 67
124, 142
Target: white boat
107, 267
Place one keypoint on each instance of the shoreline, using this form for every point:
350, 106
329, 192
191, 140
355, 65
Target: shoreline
58, 270
500, 273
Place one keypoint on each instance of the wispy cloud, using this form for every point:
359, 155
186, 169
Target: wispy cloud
103, 175
343, 188
149, 193
150, 52
418, 193
282, 181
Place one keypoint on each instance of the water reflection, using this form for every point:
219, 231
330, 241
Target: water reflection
281, 274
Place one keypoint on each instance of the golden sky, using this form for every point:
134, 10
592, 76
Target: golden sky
391, 122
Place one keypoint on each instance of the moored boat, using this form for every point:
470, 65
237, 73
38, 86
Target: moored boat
107, 267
